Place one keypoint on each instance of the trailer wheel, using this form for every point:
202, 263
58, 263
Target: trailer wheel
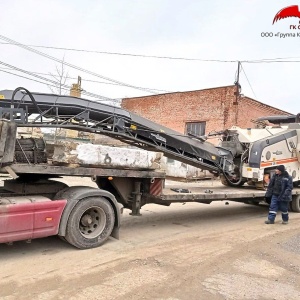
90, 223
296, 203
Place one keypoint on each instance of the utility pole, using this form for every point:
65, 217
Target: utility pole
237, 93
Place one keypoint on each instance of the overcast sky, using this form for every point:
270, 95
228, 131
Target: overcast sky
206, 30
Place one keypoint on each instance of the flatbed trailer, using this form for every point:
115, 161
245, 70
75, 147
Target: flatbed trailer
35, 205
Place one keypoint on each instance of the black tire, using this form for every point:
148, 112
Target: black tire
296, 203
90, 223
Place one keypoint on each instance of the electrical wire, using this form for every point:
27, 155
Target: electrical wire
270, 61
116, 82
89, 80
73, 66
128, 54
1, 70
115, 101
248, 80
262, 60
277, 58
52, 82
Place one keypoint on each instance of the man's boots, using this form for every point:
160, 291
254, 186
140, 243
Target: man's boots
269, 222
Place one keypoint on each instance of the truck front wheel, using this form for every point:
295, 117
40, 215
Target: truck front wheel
90, 223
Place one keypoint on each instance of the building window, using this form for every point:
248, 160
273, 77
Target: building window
195, 128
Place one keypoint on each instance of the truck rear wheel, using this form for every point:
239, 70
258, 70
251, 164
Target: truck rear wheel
295, 205
90, 223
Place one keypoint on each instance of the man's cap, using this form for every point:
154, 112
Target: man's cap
281, 168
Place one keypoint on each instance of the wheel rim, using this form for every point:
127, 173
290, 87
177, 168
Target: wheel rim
92, 222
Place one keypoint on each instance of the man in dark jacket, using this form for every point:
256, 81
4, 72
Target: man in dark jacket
280, 192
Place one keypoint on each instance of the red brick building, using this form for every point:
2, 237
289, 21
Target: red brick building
201, 111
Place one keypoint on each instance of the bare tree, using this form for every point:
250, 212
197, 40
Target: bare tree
59, 87
60, 79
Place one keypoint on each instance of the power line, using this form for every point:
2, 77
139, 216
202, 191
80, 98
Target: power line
127, 54
29, 78
278, 59
248, 81
73, 66
18, 75
52, 82
89, 80
270, 61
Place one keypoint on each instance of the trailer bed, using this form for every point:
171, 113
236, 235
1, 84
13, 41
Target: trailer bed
48, 169
206, 192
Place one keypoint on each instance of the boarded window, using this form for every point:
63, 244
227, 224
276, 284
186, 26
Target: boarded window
195, 128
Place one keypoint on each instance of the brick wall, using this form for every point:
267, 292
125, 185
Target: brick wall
252, 109
214, 106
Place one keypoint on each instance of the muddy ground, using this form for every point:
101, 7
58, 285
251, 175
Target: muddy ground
191, 251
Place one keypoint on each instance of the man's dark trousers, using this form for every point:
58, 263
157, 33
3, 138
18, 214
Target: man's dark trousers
278, 205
